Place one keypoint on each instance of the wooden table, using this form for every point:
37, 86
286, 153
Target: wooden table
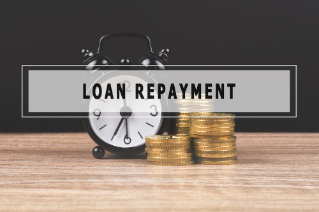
56, 172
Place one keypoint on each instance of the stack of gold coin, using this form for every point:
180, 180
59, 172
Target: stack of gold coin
213, 138
185, 106
180, 125
181, 122
168, 150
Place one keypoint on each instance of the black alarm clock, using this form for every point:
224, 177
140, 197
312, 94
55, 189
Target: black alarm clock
124, 133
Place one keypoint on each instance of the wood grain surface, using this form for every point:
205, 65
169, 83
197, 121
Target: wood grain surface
57, 172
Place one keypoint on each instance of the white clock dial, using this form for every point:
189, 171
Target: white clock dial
138, 126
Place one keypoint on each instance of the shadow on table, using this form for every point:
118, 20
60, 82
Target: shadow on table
119, 157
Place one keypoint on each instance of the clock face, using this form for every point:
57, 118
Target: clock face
144, 116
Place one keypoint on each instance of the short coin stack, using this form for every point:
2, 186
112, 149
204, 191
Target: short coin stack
168, 150
213, 138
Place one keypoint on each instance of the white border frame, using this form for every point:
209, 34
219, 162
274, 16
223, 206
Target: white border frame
154, 65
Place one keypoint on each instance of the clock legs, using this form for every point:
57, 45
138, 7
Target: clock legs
98, 152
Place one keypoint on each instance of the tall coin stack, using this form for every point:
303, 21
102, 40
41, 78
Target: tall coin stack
180, 125
213, 138
181, 122
168, 150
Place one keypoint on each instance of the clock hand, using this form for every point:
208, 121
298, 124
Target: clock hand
126, 127
118, 127
126, 136
125, 112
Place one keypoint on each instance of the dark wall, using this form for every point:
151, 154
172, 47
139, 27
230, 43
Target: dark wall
197, 32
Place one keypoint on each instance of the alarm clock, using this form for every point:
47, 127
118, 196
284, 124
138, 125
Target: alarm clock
120, 125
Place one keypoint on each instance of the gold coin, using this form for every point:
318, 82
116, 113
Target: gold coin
181, 120
197, 118
184, 115
167, 148
201, 109
212, 129
216, 155
214, 148
232, 139
212, 144
174, 155
227, 162
184, 130
166, 151
197, 104
213, 125
215, 115
169, 160
171, 145
181, 134
176, 130
195, 121
209, 129
205, 132
194, 110
215, 152
167, 142
178, 133
215, 159
209, 119
202, 119
166, 139
182, 125
211, 136
184, 109
181, 163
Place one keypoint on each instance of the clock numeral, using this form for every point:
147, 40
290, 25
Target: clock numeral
149, 124
140, 134
102, 127
156, 112
97, 113
127, 85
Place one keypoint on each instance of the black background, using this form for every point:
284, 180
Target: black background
197, 32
